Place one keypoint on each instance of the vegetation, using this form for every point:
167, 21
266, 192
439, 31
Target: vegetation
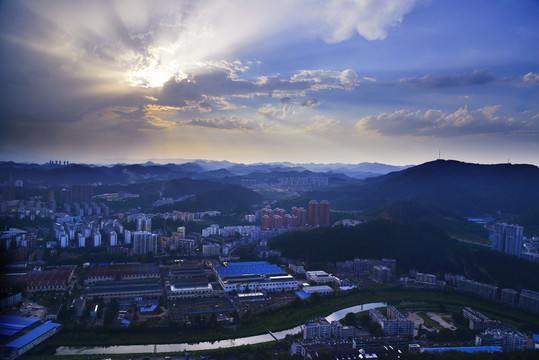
415, 246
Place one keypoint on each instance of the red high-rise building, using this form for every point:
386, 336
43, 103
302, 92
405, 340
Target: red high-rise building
313, 213
324, 213
302, 217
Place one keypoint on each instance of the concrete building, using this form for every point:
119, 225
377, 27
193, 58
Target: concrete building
313, 213
480, 289
394, 324
529, 300
318, 328
479, 321
340, 331
144, 242
319, 277
211, 250
324, 213
507, 238
509, 297
381, 273
508, 340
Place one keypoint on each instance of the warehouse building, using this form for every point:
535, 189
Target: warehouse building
123, 272
126, 290
255, 276
28, 341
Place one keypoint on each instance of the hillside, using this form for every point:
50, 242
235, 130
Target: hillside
224, 197
466, 189
416, 246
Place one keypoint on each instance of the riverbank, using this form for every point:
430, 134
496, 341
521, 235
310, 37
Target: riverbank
288, 317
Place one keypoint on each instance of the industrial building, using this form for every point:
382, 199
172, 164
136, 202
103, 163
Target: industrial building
255, 276
123, 272
27, 341
189, 288
126, 290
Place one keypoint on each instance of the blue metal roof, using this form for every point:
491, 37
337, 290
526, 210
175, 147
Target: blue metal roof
32, 335
248, 263
249, 269
8, 332
536, 337
466, 349
16, 322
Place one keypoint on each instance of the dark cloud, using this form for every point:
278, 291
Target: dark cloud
309, 103
219, 82
433, 81
437, 123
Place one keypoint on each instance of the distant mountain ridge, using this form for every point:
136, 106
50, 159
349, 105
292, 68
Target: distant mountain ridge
54, 174
470, 189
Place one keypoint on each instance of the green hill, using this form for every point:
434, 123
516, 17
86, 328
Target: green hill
417, 246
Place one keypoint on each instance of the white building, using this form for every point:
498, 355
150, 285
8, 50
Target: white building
97, 239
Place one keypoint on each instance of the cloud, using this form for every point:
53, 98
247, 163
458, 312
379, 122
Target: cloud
328, 79
269, 110
341, 19
310, 103
527, 80
437, 123
320, 124
231, 123
433, 81
204, 83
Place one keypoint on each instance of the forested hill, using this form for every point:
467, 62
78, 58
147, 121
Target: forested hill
416, 246
468, 189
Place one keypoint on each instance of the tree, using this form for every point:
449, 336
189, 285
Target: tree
349, 319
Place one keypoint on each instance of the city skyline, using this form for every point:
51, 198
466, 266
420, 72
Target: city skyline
395, 82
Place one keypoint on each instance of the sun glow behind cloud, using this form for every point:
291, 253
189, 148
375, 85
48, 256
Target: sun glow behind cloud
181, 76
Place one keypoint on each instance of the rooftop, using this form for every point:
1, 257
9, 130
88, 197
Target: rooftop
32, 335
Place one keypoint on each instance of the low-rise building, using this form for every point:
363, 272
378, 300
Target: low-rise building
186, 289
479, 321
126, 290
133, 271
317, 328
508, 340
255, 276
529, 300
394, 324
31, 339
480, 289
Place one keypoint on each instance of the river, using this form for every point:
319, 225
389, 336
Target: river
206, 345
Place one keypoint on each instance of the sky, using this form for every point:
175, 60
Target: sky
322, 81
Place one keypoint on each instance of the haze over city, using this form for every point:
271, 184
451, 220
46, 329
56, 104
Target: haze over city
391, 81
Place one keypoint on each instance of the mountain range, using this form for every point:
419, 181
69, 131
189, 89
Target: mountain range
54, 174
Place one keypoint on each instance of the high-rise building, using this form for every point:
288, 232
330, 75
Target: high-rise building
507, 238
65, 196
324, 213
144, 223
82, 193
302, 217
313, 213
144, 242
